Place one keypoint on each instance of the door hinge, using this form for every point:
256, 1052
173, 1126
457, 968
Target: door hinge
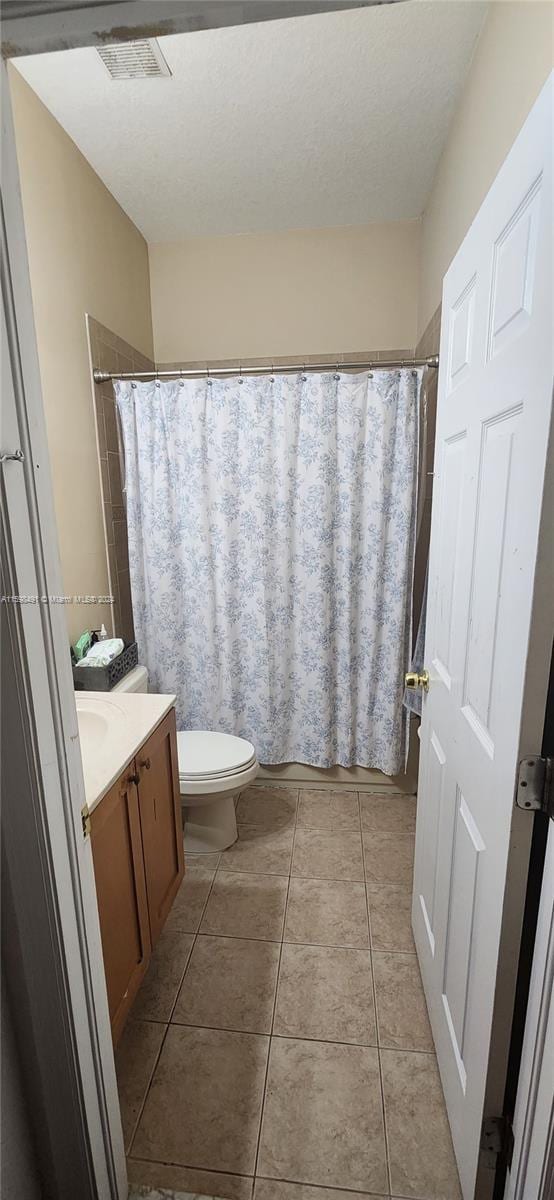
535, 785
497, 1140
85, 820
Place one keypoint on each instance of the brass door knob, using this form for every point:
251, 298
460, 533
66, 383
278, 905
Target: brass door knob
415, 680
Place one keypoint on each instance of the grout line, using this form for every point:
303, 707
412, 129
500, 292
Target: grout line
194, 941
385, 1130
293, 1037
189, 956
271, 1035
239, 937
284, 875
325, 1187
147, 1089
146, 1093
169, 1162
225, 1029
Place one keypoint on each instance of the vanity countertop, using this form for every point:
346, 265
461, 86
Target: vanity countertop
112, 727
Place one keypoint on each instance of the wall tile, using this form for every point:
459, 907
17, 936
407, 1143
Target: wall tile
109, 352
110, 422
126, 628
120, 541
331, 360
106, 493
114, 472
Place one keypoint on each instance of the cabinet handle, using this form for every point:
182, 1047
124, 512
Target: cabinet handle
145, 763
134, 779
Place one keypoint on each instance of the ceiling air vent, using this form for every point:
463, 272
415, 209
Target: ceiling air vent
134, 60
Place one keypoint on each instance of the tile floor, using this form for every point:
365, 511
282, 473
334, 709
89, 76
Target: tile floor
279, 1047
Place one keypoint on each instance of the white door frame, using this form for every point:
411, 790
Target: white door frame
38, 639
531, 1175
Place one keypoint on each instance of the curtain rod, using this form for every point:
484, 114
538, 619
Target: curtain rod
431, 360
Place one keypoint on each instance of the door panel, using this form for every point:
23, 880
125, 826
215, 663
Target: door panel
449, 530
161, 823
493, 420
492, 526
434, 789
467, 848
121, 894
514, 271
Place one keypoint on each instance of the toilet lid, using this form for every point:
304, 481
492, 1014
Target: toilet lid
204, 754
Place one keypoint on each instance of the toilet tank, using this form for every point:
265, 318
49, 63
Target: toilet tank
135, 681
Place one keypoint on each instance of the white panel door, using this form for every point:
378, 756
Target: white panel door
494, 408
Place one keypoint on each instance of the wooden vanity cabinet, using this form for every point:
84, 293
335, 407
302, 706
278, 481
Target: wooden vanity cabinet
137, 850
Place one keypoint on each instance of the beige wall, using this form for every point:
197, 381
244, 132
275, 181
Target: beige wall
511, 63
85, 255
313, 291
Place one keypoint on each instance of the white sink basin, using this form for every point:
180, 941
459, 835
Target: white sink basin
96, 719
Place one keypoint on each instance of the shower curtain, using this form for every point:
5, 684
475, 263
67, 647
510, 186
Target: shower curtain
271, 537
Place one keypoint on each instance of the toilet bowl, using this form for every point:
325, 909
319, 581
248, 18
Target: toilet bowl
213, 768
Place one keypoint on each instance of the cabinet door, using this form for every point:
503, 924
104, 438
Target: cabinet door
121, 893
161, 822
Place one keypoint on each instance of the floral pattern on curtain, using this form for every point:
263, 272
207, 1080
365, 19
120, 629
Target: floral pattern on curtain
271, 539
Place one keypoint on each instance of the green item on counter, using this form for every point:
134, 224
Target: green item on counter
82, 645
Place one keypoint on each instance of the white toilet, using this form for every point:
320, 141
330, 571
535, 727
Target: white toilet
213, 769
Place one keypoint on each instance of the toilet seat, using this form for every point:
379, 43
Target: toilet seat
211, 763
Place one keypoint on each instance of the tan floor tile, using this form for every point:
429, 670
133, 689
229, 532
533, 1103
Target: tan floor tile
274, 807
135, 1059
326, 854
266, 851
389, 858
328, 809
229, 984
327, 913
246, 905
187, 1179
322, 1119
208, 862
204, 1104
158, 990
326, 993
388, 813
189, 903
420, 1147
390, 918
401, 1008
277, 1189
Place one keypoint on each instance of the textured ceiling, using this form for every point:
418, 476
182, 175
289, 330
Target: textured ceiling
333, 119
